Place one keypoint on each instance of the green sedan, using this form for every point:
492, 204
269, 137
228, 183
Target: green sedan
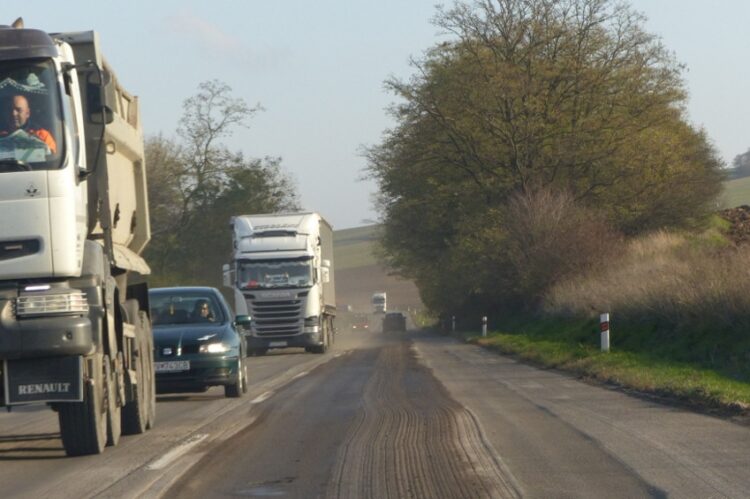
198, 343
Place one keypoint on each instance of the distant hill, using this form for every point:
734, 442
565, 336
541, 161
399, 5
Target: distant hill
359, 274
353, 248
736, 192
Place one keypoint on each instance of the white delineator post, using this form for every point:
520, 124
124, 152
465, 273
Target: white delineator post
604, 331
484, 325
453, 323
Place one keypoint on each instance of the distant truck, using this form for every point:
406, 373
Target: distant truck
379, 303
74, 329
282, 276
394, 321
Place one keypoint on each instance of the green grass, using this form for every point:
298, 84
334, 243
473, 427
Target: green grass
573, 346
353, 248
736, 193
355, 235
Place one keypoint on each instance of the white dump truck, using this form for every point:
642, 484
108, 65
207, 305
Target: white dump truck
282, 276
379, 303
74, 327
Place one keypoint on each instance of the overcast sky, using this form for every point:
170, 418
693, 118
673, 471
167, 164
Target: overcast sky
317, 67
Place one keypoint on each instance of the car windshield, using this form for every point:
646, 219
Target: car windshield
185, 308
30, 117
275, 274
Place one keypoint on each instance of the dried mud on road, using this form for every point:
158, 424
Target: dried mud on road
371, 423
410, 439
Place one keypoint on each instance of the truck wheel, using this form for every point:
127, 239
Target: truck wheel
324, 347
83, 425
135, 412
238, 388
114, 427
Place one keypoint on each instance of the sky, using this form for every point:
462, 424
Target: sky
318, 68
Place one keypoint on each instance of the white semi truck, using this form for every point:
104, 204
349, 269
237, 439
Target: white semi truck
74, 327
282, 277
379, 303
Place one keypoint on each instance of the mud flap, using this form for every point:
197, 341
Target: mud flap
51, 379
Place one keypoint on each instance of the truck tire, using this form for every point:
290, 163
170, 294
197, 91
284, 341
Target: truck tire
114, 423
136, 412
83, 425
239, 387
326, 340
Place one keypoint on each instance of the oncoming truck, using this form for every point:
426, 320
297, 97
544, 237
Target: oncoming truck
282, 276
378, 303
74, 329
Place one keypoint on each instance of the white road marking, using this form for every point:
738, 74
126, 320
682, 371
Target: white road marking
263, 396
176, 452
303, 373
530, 385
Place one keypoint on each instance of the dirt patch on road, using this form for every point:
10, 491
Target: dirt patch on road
412, 440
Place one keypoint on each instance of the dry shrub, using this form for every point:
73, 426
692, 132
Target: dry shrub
662, 276
550, 238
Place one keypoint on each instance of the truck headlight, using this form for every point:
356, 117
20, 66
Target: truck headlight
69, 302
213, 348
311, 325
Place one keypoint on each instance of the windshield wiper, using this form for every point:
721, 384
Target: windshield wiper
18, 164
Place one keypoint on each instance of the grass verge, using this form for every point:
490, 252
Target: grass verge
573, 346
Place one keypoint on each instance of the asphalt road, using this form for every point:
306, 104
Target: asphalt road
415, 415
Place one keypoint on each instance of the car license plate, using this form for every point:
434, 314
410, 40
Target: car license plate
277, 344
172, 366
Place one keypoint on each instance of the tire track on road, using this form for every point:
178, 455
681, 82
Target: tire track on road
410, 439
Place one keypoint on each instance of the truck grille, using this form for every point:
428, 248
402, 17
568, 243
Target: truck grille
277, 318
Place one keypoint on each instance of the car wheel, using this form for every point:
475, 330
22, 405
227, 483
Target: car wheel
236, 389
244, 377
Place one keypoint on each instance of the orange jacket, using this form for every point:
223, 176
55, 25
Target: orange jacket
45, 137
39, 133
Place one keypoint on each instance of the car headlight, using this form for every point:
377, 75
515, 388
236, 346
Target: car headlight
213, 348
69, 302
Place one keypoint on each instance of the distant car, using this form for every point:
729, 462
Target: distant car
197, 341
394, 321
361, 323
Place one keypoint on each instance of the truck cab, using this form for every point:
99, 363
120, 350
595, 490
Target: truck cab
282, 276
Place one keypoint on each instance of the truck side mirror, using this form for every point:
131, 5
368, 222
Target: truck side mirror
101, 96
227, 275
326, 275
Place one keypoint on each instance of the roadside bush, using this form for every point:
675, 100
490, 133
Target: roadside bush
690, 301
550, 238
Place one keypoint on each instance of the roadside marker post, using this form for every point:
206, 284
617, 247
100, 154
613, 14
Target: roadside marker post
604, 331
484, 325
453, 323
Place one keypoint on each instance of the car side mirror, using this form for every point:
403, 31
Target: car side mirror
244, 321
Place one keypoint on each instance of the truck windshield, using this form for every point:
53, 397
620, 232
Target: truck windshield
30, 117
275, 274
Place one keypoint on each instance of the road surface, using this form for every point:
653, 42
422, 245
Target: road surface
396, 415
